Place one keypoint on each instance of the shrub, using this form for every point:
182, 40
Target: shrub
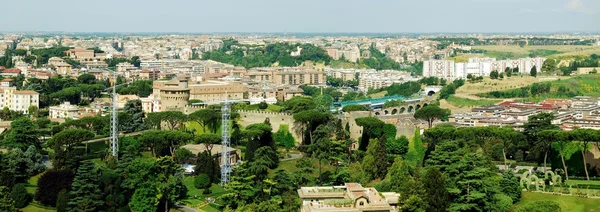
20, 196
539, 206
202, 181
50, 183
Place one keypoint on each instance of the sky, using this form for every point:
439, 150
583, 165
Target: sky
308, 16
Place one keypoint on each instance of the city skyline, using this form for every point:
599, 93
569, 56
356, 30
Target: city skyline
312, 16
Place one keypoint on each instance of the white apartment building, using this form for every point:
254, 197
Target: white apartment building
22, 100
64, 111
379, 79
448, 69
16, 100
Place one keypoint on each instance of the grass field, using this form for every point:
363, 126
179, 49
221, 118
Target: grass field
464, 102
513, 52
588, 85
487, 85
194, 196
567, 203
290, 166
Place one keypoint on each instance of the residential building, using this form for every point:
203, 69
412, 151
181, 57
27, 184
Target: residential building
149, 74
63, 68
23, 99
10, 72
64, 111
7, 82
287, 76
351, 197
448, 69
80, 53
211, 91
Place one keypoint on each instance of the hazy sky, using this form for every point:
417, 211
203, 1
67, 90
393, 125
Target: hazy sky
301, 15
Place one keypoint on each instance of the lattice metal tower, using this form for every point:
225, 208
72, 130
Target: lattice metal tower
114, 130
225, 142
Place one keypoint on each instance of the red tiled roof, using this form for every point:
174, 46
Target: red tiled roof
12, 70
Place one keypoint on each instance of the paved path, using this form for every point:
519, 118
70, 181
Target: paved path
293, 156
187, 209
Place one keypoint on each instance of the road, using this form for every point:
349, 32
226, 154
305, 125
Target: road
187, 209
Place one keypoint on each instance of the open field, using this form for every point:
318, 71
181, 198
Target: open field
194, 197
567, 203
467, 103
469, 90
513, 52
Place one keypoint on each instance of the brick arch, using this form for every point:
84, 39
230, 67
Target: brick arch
377, 113
411, 109
386, 112
402, 109
417, 107
394, 111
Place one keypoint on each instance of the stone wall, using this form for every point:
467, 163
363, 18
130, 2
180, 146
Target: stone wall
276, 119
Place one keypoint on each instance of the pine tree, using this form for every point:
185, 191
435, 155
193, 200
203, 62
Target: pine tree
135, 114
85, 192
62, 200
436, 196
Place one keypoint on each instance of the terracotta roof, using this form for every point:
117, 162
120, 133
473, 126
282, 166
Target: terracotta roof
25, 92
12, 70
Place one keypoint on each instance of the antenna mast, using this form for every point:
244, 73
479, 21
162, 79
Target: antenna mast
114, 132
225, 142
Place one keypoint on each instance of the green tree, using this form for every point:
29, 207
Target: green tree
371, 128
375, 162
182, 154
50, 183
68, 148
170, 119
86, 194
494, 74
135, 116
284, 138
430, 113
20, 196
144, 199
549, 66
86, 79
62, 201
202, 181
533, 72
6, 203
436, 195
565, 149
22, 134
206, 164
584, 136
350, 108
509, 185
298, 103
206, 118
320, 147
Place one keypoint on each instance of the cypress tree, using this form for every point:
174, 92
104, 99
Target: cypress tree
85, 192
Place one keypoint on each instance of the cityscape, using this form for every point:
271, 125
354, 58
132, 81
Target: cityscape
284, 107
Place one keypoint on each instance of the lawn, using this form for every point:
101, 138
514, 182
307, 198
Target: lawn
465, 102
209, 208
194, 196
35, 208
290, 166
32, 183
567, 203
